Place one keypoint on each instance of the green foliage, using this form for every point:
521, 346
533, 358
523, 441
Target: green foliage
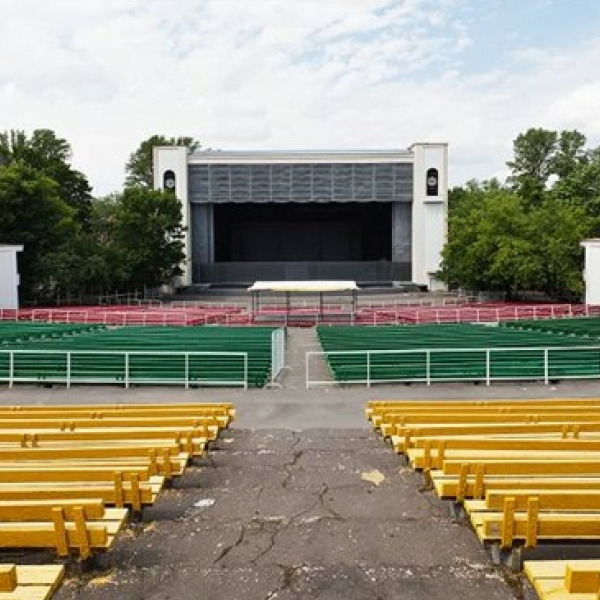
581, 187
527, 236
50, 155
75, 244
139, 167
147, 237
33, 214
540, 154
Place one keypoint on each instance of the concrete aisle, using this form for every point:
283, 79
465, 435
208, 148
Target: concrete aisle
327, 514
299, 341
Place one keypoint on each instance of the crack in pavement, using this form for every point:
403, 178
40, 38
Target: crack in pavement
295, 458
334, 515
293, 520
269, 545
231, 547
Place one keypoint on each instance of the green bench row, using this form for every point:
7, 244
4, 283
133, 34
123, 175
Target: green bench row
585, 327
443, 362
107, 362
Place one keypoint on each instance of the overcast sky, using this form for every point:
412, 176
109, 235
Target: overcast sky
299, 74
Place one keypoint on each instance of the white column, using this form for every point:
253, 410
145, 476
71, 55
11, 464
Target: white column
591, 274
9, 276
429, 213
174, 158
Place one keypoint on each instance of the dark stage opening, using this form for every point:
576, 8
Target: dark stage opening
303, 232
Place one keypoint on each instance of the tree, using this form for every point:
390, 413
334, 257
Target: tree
570, 153
50, 155
558, 229
488, 248
139, 168
533, 156
581, 186
500, 242
33, 214
540, 155
147, 237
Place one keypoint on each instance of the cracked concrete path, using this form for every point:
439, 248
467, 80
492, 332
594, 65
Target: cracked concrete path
295, 515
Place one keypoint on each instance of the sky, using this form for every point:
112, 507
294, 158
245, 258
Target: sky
299, 74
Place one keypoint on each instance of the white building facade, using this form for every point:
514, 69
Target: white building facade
370, 216
9, 276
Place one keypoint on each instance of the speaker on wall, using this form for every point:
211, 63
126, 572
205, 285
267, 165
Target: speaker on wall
169, 181
432, 182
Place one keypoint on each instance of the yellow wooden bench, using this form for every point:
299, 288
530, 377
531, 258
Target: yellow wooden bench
190, 440
29, 582
531, 468
405, 437
122, 491
509, 526
61, 466
474, 486
428, 458
393, 426
80, 473
577, 466
217, 408
565, 579
378, 406
41, 510
569, 500
57, 423
166, 460
64, 536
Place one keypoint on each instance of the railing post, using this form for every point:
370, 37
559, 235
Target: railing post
273, 358
487, 367
245, 370
187, 370
68, 368
368, 369
306, 369
546, 365
428, 366
11, 372
126, 370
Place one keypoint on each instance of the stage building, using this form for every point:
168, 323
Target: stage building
370, 216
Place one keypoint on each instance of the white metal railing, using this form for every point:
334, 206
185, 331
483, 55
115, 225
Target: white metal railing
211, 304
471, 314
421, 360
12, 370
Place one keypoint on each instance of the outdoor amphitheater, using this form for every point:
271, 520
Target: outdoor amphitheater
150, 447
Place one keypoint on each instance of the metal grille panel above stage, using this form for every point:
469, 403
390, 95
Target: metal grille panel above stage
333, 182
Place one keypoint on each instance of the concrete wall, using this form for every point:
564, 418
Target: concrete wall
9, 276
592, 271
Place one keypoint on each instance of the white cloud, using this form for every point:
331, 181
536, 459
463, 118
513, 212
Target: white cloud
105, 74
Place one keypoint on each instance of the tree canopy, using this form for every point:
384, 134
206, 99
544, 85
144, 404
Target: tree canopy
33, 214
74, 243
525, 234
50, 156
139, 167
